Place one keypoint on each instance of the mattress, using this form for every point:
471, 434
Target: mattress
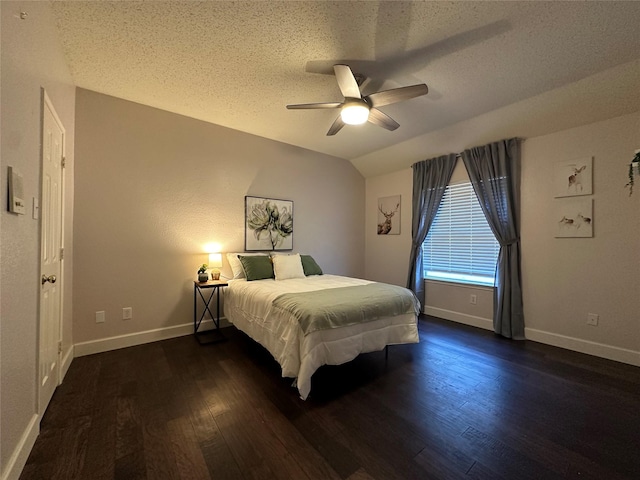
249, 306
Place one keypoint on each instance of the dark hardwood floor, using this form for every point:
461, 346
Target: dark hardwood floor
464, 403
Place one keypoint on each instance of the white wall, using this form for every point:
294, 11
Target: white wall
563, 279
31, 59
567, 278
153, 188
387, 256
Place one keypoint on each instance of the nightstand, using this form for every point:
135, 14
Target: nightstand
213, 335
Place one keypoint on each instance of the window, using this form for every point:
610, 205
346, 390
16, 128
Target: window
460, 246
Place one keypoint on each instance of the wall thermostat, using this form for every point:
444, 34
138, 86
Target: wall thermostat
16, 192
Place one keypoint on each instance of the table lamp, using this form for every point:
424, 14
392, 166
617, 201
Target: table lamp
215, 262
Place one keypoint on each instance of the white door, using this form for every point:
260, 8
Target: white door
51, 253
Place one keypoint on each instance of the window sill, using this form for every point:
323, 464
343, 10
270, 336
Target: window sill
460, 283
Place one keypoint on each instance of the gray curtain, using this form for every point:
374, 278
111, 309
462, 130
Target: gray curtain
430, 179
494, 171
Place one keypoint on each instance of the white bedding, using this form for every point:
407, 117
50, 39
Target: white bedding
248, 305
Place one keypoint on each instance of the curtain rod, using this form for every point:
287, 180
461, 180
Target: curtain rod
459, 155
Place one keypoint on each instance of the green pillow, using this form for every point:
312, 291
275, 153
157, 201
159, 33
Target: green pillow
310, 266
256, 267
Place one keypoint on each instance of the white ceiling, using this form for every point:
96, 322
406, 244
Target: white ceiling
238, 64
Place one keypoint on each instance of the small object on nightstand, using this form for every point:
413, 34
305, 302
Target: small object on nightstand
213, 335
202, 273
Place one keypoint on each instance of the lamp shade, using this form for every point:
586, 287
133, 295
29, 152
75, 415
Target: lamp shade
215, 260
354, 113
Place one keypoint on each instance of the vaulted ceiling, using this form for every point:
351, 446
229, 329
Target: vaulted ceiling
238, 64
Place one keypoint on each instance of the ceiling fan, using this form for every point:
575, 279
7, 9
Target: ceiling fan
357, 109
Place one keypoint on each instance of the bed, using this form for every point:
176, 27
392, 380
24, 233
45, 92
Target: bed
307, 319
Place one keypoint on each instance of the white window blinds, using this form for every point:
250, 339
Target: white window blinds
460, 246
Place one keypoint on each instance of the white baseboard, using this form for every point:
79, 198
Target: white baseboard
584, 346
570, 343
21, 454
19, 457
472, 320
140, 338
65, 363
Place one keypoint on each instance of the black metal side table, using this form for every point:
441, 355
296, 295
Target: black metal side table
213, 335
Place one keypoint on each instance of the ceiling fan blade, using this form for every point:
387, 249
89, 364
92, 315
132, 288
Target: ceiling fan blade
314, 105
346, 81
395, 95
382, 119
337, 125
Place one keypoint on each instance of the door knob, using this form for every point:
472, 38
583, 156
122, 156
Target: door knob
50, 278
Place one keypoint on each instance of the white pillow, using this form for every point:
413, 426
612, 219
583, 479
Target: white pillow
287, 266
236, 265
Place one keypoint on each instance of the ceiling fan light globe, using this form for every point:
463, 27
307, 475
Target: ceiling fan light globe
354, 114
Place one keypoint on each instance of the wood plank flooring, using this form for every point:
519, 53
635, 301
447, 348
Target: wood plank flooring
464, 403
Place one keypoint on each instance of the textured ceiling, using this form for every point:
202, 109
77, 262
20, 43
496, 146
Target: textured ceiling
238, 64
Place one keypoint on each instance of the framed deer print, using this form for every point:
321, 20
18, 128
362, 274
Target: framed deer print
268, 224
574, 218
573, 178
389, 215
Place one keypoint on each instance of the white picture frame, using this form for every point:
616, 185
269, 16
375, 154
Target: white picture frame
574, 218
573, 178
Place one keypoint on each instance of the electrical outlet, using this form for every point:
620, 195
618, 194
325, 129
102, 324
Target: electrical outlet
473, 299
100, 316
127, 313
592, 319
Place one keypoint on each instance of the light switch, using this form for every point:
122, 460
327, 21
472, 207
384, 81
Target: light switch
36, 208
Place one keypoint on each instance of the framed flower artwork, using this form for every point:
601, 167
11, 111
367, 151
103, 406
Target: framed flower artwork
268, 224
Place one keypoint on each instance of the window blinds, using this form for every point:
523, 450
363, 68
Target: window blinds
460, 246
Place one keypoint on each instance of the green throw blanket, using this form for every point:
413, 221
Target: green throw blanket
340, 307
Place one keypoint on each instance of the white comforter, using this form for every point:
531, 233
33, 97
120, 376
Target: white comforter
248, 305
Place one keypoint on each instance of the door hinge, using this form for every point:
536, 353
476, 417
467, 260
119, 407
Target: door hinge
61, 253
63, 162
59, 348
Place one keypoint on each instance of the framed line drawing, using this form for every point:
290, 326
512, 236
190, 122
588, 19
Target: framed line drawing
573, 178
268, 224
574, 218
389, 215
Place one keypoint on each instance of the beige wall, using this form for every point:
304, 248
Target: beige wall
563, 279
31, 59
566, 278
387, 256
153, 188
